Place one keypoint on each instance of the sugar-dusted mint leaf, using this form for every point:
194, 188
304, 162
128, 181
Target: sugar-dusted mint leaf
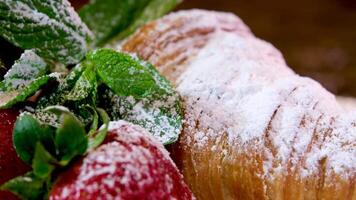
83, 86
161, 116
124, 74
29, 67
51, 28
27, 133
138, 93
107, 18
153, 10
10, 97
28, 187
76, 91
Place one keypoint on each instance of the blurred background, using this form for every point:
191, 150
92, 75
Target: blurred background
316, 37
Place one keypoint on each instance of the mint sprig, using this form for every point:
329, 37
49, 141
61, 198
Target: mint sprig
51, 28
137, 93
126, 87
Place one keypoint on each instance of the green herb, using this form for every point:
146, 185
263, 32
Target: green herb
118, 19
84, 86
24, 78
138, 93
28, 67
123, 74
52, 28
11, 97
107, 18
153, 10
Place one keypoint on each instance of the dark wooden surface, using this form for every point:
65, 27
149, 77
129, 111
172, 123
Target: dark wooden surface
317, 37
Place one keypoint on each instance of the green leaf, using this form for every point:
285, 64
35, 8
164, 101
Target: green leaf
29, 67
139, 93
9, 98
107, 18
123, 74
161, 116
28, 187
57, 95
70, 139
24, 78
51, 28
43, 162
153, 10
98, 136
27, 133
83, 86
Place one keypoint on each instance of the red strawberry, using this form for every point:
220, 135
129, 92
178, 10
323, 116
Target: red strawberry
130, 164
10, 164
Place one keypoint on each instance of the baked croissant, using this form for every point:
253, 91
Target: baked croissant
253, 128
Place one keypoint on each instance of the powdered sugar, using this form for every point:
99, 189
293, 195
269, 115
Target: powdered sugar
131, 164
57, 27
237, 84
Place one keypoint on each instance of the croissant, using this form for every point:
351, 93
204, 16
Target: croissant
253, 128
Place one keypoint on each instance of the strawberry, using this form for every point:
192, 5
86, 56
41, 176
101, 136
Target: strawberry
130, 164
10, 164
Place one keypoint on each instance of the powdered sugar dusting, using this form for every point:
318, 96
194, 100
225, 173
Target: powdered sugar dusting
237, 84
25, 70
130, 164
57, 26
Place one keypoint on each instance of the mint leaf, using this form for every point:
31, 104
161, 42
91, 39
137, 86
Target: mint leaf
138, 93
106, 18
51, 28
30, 66
83, 86
27, 133
70, 93
161, 116
10, 97
123, 74
70, 139
43, 161
24, 78
27, 187
153, 10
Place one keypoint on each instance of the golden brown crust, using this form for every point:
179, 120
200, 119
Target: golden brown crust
253, 129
